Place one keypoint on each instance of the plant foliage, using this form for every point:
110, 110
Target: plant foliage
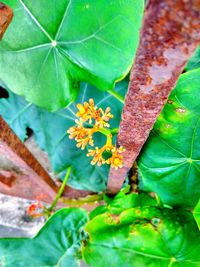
145, 236
50, 48
51, 45
56, 244
129, 230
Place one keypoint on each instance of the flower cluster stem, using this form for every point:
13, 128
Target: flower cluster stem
107, 132
114, 131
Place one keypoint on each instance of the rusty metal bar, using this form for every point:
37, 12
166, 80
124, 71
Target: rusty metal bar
6, 16
169, 36
24, 177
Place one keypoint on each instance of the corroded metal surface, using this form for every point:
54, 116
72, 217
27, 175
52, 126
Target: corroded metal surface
26, 177
6, 15
22, 175
169, 36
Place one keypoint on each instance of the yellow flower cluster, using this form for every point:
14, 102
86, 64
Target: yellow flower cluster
89, 112
82, 135
116, 160
98, 119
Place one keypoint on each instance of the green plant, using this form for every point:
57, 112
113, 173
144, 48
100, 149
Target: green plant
45, 43
58, 70
139, 233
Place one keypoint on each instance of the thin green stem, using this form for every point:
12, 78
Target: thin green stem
107, 132
114, 131
61, 190
116, 95
104, 131
172, 261
158, 200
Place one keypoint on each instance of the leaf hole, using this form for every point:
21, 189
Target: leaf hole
29, 132
3, 93
169, 101
180, 110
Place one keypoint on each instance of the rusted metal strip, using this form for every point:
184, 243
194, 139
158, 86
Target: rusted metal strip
6, 16
169, 36
24, 176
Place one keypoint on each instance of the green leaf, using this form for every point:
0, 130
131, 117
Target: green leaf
170, 161
143, 237
51, 45
50, 133
53, 246
194, 61
196, 213
122, 202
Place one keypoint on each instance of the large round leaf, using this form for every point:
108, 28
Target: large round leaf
170, 161
50, 133
50, 45
56, 244
143, 237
